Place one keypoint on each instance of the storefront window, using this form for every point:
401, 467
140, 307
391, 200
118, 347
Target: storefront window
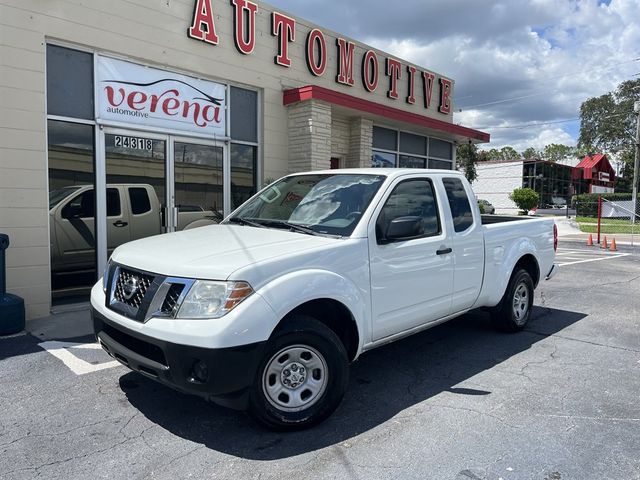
412, 151
69, 83
244, 115
385, 138
407, 161
383, 159
243, 173
71, 209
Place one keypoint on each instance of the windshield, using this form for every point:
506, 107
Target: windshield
316, 204
56, 196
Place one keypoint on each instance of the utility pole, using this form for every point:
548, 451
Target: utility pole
636, 163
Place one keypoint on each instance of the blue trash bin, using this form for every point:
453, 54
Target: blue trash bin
11, 306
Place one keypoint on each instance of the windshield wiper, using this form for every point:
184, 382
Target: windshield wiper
293, 226
244, 221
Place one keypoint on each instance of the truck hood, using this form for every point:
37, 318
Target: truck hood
213, 252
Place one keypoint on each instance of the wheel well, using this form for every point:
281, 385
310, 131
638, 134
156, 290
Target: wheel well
337, 317
530, 264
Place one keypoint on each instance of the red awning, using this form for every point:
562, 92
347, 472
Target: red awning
310, 92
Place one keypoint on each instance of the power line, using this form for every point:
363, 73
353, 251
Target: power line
543, 91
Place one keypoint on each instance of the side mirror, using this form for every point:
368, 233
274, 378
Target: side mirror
71, 211
404, 228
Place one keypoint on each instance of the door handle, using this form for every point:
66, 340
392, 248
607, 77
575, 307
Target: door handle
120, 223
443, 251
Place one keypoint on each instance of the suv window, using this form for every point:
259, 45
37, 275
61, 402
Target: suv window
411, 198
459, 203
139, 199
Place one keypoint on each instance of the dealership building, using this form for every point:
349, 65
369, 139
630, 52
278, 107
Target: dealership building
124, 119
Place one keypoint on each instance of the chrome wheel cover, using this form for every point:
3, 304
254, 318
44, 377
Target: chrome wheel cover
295, 378
521, 303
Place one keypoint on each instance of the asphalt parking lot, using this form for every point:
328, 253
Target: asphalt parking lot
460, 401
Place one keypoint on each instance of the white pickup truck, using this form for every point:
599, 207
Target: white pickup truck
265, 311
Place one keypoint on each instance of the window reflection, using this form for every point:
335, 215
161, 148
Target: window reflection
72, 234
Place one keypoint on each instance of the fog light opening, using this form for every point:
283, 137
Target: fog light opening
199, 372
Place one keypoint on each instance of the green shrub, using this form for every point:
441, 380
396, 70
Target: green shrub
481, 207
525, 198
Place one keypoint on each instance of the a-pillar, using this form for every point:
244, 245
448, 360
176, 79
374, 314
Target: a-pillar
309, 136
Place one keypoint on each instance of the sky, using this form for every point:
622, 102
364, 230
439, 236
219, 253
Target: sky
521, 68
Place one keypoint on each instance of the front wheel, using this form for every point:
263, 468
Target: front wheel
302, 377
514, 310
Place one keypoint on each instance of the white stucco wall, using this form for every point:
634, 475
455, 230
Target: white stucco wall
496, 181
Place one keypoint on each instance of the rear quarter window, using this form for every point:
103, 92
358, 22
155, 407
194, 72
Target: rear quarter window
139, 198
459, 204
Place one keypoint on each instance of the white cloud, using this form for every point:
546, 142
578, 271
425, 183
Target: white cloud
514, 61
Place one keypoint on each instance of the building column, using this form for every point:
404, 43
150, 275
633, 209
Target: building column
309, 136
360, 143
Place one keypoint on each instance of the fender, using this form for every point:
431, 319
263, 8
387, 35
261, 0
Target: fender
289, 291
499, 264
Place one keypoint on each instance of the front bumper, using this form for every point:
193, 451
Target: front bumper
222, 375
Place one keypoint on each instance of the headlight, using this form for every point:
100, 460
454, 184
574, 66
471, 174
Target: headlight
213, 299
105, 275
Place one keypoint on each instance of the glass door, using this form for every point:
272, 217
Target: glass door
150, 184
198, 183
136, 186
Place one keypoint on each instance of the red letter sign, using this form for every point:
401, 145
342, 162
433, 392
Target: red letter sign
445, 92
395, 73
203, 17
370, 71
285, 29
316, 67
245, 41
427, 85
345, 62
412, 75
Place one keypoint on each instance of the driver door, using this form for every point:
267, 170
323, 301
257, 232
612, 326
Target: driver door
411, 279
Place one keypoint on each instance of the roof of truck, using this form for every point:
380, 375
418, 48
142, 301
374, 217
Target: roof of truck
388, 172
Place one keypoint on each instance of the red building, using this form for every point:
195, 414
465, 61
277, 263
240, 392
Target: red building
596, 174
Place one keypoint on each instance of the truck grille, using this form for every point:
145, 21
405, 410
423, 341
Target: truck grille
131, 287
142, 295
171, 300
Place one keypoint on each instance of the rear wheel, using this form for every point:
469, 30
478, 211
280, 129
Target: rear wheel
302, 377
514, 310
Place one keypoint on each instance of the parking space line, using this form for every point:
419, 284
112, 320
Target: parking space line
60, 350
608, 257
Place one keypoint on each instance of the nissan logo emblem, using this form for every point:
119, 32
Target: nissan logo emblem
130, 287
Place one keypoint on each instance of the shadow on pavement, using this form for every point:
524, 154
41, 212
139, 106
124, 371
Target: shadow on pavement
384, 382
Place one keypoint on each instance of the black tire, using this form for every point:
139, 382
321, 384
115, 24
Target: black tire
301, 341
514, 310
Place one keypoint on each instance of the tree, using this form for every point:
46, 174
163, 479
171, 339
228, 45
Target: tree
531, 154
509, 153
466, 158
554, 152
607, 125
525, 198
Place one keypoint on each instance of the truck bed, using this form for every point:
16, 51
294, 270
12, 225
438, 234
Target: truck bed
489, 219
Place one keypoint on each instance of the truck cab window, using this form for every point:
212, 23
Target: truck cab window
139, 198
459, 204
113, 202
81, 206
411, 198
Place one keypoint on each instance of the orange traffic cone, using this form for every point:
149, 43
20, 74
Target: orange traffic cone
614, 247
590, 241
604, 243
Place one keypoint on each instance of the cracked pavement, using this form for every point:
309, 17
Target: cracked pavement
460, 401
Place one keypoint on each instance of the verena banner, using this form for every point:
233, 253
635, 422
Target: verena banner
131, 93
